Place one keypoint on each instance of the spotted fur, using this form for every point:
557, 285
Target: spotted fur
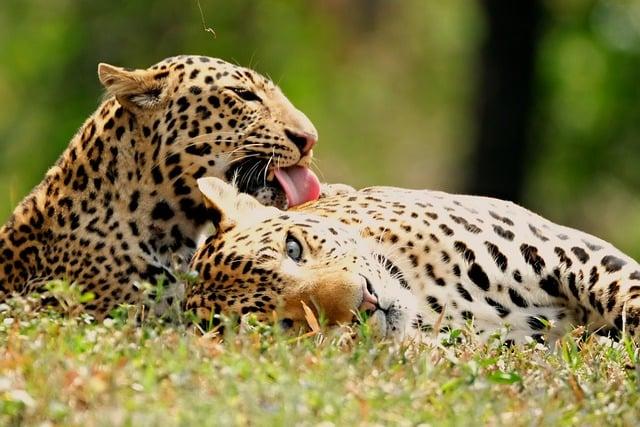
435, 260
121, 204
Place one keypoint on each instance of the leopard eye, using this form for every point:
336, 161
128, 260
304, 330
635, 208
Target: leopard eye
245, 94
294, 248
286, 324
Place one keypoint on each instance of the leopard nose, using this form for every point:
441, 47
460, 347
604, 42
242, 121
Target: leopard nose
303, 140
369, 299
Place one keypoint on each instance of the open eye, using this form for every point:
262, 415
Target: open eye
246, 94
294, 248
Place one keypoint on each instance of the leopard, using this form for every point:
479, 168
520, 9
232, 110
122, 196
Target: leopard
120, 208
416, 264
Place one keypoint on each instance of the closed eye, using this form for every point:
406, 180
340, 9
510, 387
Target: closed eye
245, 94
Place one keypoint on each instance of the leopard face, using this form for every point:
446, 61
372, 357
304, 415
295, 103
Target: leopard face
265, 261
207, 117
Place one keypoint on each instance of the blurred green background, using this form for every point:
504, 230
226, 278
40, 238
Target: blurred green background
395, 89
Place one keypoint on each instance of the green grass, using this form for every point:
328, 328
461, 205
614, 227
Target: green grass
56, 370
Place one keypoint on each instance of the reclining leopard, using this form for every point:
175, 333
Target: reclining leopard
122, 200
417, 260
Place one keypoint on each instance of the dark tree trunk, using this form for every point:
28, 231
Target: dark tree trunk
505, 95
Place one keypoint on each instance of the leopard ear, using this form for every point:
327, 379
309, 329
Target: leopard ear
136, 90
227, 206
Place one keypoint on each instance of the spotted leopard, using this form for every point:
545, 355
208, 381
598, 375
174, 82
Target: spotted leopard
121, 203
419, 261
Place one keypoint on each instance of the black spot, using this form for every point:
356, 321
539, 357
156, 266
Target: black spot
612, 263
551, 286
75, 220
418, 323
428, 268
536, 323
471, 228
517, 298
635, 275
478, 276
162, 211
161, 75
466, 253
517, 276
592, 246
501, 218
203, 112
564, 259
119, 132
434, 304
195, 89
203, 149
173, 159
618, 322
498, 257
505, 234
133, 203
134, 228
614, 287
536, 232
530, 254
467, 315
183, 104
214, 101
446, 230
157, 175
463, 292
595, 303
456, 270
572, 285
580, 253
593, 277
82, 179
500, 309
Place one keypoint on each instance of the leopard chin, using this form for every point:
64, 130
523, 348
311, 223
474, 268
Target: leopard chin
394, 317
271, 195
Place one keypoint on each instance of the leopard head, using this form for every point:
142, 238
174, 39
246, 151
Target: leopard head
266, 261
202, 116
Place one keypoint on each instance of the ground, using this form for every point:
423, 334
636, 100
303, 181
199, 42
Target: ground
61, 370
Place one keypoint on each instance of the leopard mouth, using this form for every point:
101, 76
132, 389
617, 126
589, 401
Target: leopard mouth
298, 183
377, 315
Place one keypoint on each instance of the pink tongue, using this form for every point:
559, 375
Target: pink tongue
300, 184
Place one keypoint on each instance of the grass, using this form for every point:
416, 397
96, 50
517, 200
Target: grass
58, 370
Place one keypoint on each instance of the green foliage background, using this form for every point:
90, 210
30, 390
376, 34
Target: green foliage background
391, 93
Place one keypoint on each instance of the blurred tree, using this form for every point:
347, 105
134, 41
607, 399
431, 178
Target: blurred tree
504, 99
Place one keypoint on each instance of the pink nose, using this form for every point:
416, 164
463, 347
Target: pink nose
369, 300
303, 140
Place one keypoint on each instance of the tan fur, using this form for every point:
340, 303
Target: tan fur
121, 205
436, 261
